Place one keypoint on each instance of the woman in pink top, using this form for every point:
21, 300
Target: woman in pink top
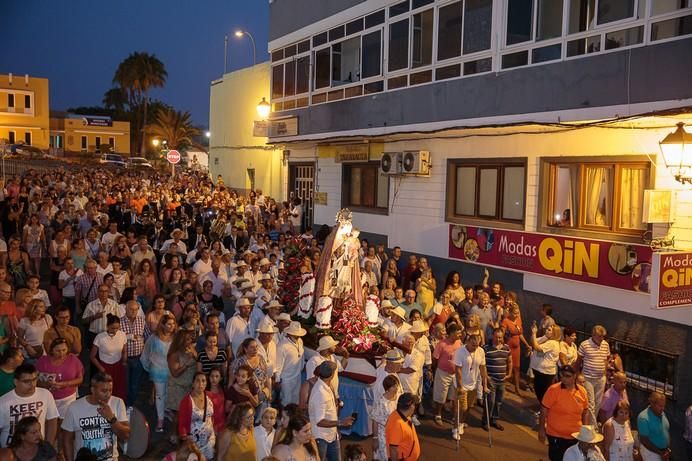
60, 372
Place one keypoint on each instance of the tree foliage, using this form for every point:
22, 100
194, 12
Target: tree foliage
175, 127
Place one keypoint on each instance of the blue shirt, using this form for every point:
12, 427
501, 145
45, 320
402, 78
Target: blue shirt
655, 428
486, 316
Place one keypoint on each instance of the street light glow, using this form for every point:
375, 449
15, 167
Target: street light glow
238, 33
155, 142
263, 109
207, 134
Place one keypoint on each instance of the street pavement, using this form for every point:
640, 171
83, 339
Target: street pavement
516, 443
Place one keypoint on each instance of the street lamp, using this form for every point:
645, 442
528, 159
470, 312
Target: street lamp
677, 153
239, 34
207, 134
263, 109
155, 142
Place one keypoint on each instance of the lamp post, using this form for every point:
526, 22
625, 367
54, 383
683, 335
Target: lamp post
676, 148
239, 34
225, 52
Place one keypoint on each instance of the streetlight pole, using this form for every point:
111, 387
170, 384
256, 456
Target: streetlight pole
225, 52
239, 34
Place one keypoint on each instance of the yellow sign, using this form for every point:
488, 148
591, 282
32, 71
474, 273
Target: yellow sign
320, 198
352, 153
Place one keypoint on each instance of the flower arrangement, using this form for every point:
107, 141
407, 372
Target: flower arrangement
289, 276
352, 329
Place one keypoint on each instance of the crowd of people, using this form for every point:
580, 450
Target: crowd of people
109, 282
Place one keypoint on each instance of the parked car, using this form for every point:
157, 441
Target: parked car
113, 160
138, 162
25, 150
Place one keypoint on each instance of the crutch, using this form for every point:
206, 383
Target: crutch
487, 420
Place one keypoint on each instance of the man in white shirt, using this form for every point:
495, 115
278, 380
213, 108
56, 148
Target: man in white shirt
325, 352
469, 361
296, 216
217, 276
397, 327
28, 400
411, 371
96, 422
585, 448
203, 264
109, 237
289, 363
95, 313
238, 327
322, 410
266, 346
176, 237
390, 366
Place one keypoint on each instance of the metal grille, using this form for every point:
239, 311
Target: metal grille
303, 186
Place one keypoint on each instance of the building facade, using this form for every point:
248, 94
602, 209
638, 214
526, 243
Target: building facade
24, 110
85, 133
243, 160
521, 137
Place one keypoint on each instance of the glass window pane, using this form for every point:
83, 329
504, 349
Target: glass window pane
346, 62
322, 70
368, 184
477, 25
449, 31
625, 37
418, 3
355, 186
398, 45
421, 50
487, 192
319, 39
290, 85
633, 182
372, 59
581, 15
398, 9
598, 195
336, 33
278, 81
564, 196
303, 75
671, 28
465, 200
519, 21
520, 58
547, 53
374, 19
442, 73
513, 193
382, 190
666, 6
584, 46
290, 51
478, 66
614, 10
549, 20
354, 26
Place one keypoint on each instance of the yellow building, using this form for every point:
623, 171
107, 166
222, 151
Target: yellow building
86, 133
24, 110
243, 160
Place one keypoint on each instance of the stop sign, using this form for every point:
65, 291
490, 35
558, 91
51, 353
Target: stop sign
173, 156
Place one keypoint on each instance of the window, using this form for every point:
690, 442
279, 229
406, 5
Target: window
449, 31
322, 68
671, 28
27, 138
27, 101
586, 14
346, 62
398, 45
278, 81
365, 187
12, 137
421, 48
491, 190
598, 196
98, 142
478, 24
520, 20
84, 143
10, 99
290, 78
303, 75
372, 54
666, 6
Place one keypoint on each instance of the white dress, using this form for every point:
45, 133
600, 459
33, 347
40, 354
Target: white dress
379, 413
622, 447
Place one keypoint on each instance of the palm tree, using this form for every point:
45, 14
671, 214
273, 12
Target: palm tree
136, 75
175, 127
115, 99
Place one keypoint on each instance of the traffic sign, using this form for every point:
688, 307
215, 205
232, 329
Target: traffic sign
173, 156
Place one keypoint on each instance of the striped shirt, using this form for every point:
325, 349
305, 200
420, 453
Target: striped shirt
496, 361
594, 358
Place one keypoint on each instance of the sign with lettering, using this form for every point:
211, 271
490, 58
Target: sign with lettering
320, 198
352, 153
283, 127
260, 128
97, 121
617, 265
672, 280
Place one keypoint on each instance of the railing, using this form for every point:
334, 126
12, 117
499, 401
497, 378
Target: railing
13, 167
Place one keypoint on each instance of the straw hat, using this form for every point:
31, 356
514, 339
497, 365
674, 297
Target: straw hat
241, 263
387, 304
247, 285
295, 329
240, 280
418, 327
264, 262
266, 326
284, 316
266, 277
587, 434
274, 304
399, 312
394, 355
326, 342
243, 302
177, 229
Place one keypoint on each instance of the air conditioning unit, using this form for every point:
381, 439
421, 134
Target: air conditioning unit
416, 162
390, 163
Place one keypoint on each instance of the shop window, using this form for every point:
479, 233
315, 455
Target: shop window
365, 188
372, 54
346, 62
478, 24
27, 101
606, 197
449, 31
27, 138
322, 68
278, 81
398, 45
494, 190
421, 48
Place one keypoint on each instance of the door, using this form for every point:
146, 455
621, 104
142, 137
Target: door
301, 184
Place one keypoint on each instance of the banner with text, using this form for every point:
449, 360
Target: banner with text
617, 265
672, 280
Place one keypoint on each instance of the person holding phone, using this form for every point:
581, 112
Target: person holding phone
322, 409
